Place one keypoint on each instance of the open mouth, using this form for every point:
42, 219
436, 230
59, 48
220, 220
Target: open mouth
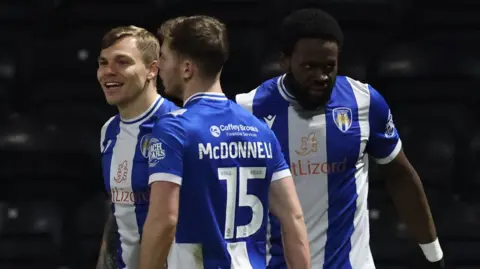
112, 85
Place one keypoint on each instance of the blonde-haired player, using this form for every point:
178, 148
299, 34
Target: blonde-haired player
127, 72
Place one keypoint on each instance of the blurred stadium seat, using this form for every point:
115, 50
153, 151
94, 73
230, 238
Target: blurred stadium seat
385, 229
57, 165
70, 55
471, 166
8, 75
463, 252
80, 103
14, 12
361, 12
441, 16
100, 12
88, 223
436, 68
459, 221
246, 47
429, 140
29, 234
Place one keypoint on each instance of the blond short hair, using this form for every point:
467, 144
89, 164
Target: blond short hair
147, 43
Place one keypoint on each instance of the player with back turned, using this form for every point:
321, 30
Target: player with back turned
215, 169
127, 72
327, 126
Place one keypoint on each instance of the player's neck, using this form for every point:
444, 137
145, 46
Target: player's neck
139, 105
202, 85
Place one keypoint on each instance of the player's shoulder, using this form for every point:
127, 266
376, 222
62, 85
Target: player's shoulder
345, 83
358, 88
109, 122
165, 106
260, 94
174, 118
248, 118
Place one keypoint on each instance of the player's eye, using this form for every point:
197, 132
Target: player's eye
329, 67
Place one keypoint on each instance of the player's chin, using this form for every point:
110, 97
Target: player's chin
318, 96
317, 93
113, 100
317, 99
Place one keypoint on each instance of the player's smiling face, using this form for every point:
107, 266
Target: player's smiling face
313, 65
122, 72
169, 65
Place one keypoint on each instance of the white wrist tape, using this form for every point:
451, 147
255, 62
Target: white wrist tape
432, 251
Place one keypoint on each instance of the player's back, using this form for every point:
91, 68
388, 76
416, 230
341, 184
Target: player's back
227, 170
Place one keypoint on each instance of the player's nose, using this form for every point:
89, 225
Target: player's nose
109, 70
318, 75
321, 77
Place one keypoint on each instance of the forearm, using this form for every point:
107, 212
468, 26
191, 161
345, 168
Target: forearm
157, 239
412, 205
295, 243
107, 255
284, 204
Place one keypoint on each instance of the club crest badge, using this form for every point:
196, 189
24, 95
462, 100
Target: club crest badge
342, 116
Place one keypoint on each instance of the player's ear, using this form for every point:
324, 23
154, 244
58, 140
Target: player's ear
187, 68
153, 72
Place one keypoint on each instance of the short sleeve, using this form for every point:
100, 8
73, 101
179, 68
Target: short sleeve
103, 135
165, 150
280, 166
384, 143
102, 138
245, 100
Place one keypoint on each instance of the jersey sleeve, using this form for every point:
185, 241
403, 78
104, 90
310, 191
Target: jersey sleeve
103, 134
245, 100
165, 150
280, 166
384, 143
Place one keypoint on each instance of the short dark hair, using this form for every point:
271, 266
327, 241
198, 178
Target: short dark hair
146, 41
309, 23
202, 38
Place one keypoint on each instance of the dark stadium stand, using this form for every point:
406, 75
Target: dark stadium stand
423, 56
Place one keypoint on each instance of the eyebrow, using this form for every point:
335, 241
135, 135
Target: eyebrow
102, 58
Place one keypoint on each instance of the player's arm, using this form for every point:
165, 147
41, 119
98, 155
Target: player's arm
159, 228
402, 181
107, 256
284, 204
165, 169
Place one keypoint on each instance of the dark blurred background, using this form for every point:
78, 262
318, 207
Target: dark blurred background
421, 55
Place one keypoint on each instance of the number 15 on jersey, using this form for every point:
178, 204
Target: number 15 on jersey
241, 176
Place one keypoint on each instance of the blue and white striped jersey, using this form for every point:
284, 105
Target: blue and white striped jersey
224, 158
328, 153
124, 148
